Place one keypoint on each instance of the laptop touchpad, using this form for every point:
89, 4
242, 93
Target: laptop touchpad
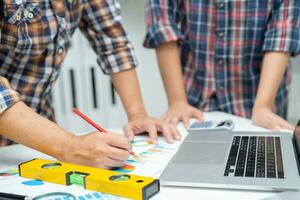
201, 153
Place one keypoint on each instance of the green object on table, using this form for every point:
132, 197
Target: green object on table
77, 179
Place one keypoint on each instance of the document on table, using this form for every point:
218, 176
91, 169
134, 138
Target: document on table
152, 159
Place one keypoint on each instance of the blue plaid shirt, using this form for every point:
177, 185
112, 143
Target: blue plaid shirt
222, 44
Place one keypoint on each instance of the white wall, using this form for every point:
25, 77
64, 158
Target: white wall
294, 98
133, 12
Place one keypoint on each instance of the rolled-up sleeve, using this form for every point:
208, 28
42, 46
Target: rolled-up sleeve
283, 29
163, 22
8, 96
101, 23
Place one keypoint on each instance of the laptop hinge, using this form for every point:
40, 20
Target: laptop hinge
296, 145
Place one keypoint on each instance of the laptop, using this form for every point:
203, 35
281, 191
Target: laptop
266, 161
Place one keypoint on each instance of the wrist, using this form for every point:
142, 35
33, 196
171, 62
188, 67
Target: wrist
178, 101
134, 113
262, 102
260, 107
66, 146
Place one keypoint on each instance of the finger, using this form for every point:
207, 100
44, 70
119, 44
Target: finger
198, 115
175, 132
186, 121
288, 126
285, 125
174, 121
276, 123
114, 163
128, 132
272, 125
166, 118
152, 133
266, 123
117, 154
99, 165
101, 162
119, 141
275, 127
166, 131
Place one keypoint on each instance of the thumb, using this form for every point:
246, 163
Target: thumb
128, 132
198, 115
275, 128
153, 134
186, 121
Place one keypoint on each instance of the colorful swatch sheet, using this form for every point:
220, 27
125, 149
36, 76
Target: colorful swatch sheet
151, 160
8, 174
49, 191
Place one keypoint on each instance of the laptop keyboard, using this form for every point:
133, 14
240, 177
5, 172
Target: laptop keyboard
204, 124
255, 156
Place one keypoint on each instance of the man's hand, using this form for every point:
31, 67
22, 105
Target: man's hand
142, 123
104, 150
94, 149
263, 116
181, 111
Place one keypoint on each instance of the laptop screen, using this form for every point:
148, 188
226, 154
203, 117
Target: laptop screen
297, 140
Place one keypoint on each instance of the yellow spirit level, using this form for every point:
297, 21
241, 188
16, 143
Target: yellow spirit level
101, 180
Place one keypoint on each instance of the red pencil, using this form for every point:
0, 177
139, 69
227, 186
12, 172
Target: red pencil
91, 122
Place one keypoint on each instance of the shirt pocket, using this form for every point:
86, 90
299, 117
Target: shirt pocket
29, 27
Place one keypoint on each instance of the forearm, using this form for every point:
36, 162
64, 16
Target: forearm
127, 86
20, 124
273, 68
170, 68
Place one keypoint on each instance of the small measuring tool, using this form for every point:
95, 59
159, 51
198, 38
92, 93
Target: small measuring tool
96, 179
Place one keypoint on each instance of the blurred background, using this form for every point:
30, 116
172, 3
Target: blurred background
83, 85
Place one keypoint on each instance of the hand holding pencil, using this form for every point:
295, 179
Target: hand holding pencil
116, 148
96, 149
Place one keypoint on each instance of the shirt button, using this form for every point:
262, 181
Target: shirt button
30, 15
60, 50
221, 61
17, 17
221, 34
221, 5
63, 20
19, 2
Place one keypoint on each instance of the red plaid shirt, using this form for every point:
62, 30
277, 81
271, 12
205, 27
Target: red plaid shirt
35, 36
222, 44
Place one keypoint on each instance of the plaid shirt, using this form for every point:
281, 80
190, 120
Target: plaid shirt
222, 44
35, 36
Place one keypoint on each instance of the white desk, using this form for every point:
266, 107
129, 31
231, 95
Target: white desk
11, 156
